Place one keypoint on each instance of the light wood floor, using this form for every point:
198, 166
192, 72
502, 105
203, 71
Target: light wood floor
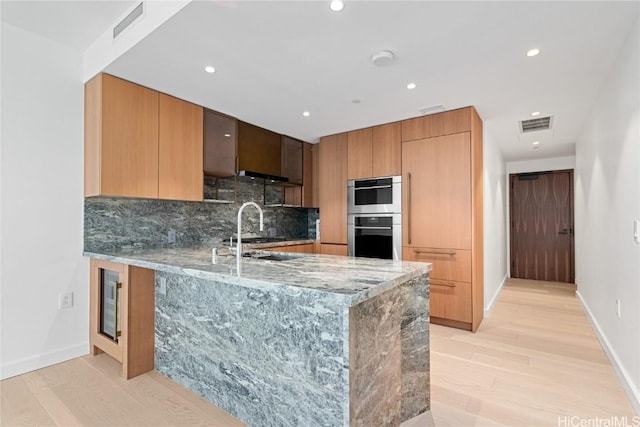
535, 359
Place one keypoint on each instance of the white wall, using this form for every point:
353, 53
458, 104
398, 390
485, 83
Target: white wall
42, 203
607, 201
495, 225
541, 165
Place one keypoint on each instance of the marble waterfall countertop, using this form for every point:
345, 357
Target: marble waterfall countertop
352, 279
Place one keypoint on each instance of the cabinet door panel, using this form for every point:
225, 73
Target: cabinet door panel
258, 149
446, 123
448, 264
220, 136
360, 154
308, 181
129, 161
437, 192
292, 159
333, 189
450, 300
387, 147
180, 175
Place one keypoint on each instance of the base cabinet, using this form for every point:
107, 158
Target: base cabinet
122, 304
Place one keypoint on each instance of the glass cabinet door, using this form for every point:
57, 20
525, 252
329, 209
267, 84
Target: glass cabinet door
109, 303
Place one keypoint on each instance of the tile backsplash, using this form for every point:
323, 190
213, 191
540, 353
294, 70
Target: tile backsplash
119, 223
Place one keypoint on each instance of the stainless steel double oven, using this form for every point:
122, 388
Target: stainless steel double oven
374, 217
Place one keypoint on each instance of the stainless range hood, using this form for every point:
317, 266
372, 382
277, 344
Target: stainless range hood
273, 178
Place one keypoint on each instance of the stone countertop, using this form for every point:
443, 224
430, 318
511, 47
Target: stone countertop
352, 280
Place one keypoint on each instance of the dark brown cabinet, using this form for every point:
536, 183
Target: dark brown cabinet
220, 140
258, 150
292, 165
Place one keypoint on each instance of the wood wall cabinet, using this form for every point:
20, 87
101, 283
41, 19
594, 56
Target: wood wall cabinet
140, 143
220, 140
180, 154
259, 150
307, 194
121, 139
375, 151
333, 189
133, 345
291, 161
442, 211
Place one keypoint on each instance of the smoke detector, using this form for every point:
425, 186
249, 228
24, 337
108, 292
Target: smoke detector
382, 58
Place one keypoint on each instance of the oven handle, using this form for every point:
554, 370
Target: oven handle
375, 187
358, 227
409, 207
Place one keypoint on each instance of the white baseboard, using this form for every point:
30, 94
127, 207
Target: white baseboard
627, 383
38, 361
494, 299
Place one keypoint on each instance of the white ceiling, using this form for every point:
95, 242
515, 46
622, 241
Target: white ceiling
275, 59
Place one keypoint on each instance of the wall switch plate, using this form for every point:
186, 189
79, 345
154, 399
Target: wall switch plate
65, 300
636, 231
618, 308
171, 236
162, 286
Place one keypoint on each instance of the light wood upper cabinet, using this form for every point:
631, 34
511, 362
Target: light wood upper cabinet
140, 143
375, 151
333, 189
121, 139
437, 192
360, 154
440, 124
309, 177
387, 149
180, 150
220, 139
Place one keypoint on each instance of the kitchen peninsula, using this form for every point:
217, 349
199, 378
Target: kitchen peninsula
310, 340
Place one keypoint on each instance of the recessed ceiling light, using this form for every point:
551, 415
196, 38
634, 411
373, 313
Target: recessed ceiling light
336, 5
411, 86
209, 69
535, 113
306, 114
227, 135
533, 52
536, 142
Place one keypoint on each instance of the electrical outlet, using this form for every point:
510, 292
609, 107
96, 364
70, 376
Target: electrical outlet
618, 308
636, 231
65, 300
171, 236
162, 286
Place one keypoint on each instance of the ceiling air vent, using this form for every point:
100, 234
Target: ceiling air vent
128, 20
534, 125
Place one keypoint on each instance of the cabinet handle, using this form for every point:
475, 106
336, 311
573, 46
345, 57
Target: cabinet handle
409, 207
447, 284
117, 307
435, 251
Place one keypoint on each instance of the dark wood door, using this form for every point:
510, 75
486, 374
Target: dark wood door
541, 207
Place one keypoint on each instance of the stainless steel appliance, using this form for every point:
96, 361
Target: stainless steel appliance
374, 195
374, 220
375, 236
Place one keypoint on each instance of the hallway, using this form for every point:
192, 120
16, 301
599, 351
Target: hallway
534, 362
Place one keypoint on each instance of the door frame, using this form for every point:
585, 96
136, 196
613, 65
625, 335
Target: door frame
513, 175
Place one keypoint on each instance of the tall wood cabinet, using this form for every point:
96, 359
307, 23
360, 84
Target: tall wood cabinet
442, 211
220, 140
140, 143
333, 189
374, 151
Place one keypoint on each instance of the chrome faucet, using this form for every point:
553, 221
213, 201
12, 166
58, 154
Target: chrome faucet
239, 247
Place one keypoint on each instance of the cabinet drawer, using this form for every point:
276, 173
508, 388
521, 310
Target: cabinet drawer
450, 300
448, 264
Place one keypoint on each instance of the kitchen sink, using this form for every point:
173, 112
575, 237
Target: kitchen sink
270, 257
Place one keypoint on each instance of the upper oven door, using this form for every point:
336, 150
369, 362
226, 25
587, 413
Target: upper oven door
375, 195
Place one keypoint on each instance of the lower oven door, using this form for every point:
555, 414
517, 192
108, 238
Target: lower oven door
375, 236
